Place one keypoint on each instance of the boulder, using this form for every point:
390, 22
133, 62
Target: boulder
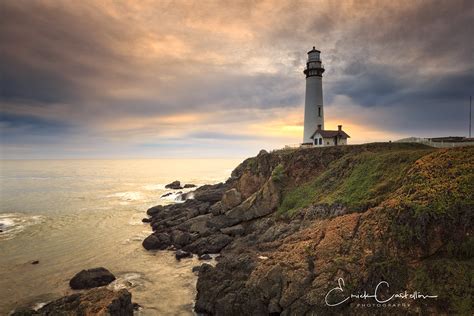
87, 279
236, 230
262, 152
222, 221
100, 301
205, 257
175, 185
197, 224
203, 208
180, 238
189, 185
211, 244
230, 199
197, 269
209, 193
217, 209
166, 194
35, 262
154, 210
181, 254
146, 220
157, 241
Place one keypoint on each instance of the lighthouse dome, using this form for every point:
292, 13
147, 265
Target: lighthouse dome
313, 55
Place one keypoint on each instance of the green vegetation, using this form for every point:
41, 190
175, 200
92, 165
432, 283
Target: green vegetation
439, 189
440, 183
451, 280
358, 180
278, 174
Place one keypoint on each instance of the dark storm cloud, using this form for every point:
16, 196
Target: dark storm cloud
417, 61
54, 54
31, 124
70, 67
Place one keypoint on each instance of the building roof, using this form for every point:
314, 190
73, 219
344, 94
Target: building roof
314, 50
329, 134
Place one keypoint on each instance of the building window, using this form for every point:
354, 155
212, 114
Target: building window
319, 111
320, 141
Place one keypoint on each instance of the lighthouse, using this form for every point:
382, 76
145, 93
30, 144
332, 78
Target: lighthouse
313, 107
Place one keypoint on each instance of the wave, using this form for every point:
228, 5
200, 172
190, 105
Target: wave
154, 187
127, 196
127, 281
11, 224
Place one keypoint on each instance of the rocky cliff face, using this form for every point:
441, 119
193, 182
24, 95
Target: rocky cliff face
291, 224
98, 301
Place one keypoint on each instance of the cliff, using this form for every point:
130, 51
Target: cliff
291, 224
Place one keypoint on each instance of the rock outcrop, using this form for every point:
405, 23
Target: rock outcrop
99, 301
175, 185
289, 225
90, 278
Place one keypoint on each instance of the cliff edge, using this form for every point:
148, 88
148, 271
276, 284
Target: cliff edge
301, 230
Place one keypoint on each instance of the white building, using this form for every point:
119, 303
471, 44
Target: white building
329, 138
314, 132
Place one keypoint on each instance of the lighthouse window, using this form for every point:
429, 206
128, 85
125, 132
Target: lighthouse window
319, 111
320, 141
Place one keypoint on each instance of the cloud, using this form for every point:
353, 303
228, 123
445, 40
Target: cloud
159, 72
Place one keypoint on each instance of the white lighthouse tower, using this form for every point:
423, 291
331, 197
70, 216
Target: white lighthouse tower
313, 107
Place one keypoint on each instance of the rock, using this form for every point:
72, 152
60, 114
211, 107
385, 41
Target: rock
35, 262
189, 185
146, 220
204, 266
136, 306
211, 244
210, 193
157, 241
180, 238
230, 199
166, 194
262, 153
197, 224
233, 230
23, 311
87, 279
175, 185
217, 209
154, 210
205, 257
100, 301
1, 231
222, 221
203, 208
181, 254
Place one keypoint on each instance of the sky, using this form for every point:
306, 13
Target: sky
145, 79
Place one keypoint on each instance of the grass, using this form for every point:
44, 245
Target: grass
451, 280
357, 180
438, 190
278, 174
440, 182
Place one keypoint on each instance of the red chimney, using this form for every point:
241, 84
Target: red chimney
339, 127
319, 127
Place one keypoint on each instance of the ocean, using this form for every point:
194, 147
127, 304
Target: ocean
78, 214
